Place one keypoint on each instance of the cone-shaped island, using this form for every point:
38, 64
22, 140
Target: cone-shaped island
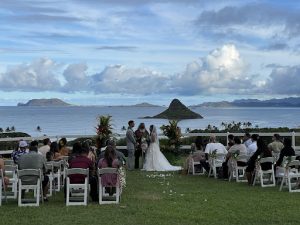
177, 111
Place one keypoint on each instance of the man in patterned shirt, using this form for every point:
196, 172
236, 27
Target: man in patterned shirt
22, 149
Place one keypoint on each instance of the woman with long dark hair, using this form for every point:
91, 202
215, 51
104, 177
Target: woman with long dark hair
263, 151
110, 160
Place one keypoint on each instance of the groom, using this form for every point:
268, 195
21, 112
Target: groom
131, 144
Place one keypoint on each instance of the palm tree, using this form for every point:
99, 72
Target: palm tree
187, 130
1, 130
209, 127
13, 129
7, 129
104, 128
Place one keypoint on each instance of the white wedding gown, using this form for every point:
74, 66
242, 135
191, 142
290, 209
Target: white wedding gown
155, 160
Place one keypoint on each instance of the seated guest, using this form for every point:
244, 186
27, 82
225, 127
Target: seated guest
2, 167
120, 156
230, 141
253, 146
91, 155
82, 161
247, 140
33, 160
62, 147
212, 146
110, 160
46, 147
21, 150
276, 145
263, 152
286, 151
238, 148
54, 151
197, 154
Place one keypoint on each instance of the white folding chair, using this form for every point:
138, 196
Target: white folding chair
238, 172
77, 194
49, 169
291, 176
11, 173
191, 167
259, 173
30, 179
9, 162
215, 163
58, 174
103, 197
2, 185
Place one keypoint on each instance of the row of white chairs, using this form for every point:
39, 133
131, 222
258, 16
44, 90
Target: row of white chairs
77, 194
288, 175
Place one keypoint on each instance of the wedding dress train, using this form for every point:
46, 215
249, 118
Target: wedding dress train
155, 159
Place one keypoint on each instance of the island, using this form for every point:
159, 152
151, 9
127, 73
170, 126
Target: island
177, 111
284, 102
45, 102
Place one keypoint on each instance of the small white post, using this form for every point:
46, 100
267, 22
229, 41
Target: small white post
293, 139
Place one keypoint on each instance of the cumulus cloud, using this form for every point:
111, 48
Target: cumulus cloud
222, 71
284, 80
121, 79
38, 75
76, 77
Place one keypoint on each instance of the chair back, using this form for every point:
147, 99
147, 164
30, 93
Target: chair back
29, 172
9, 162
107, 171
267, 160
294, 163
80, 171
49, 166
242, 158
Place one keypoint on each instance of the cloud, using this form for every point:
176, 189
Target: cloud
120, 79
284, 80
117, 48
222, 71
36, 76
76, 77
263, 20
276, 47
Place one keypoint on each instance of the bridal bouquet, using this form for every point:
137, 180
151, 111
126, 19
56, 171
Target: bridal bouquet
144, 144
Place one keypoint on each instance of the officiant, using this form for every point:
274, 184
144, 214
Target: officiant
143, 140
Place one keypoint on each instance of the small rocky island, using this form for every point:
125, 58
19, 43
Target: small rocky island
177, 111
45, 102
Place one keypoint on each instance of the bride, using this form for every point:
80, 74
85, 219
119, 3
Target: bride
155, 160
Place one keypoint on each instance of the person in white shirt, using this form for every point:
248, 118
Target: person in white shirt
210, 147
253, 147
45, 148
247, 140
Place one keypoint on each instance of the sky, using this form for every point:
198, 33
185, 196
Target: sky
112, 52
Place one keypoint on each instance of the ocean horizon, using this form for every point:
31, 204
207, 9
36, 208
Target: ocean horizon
82, 120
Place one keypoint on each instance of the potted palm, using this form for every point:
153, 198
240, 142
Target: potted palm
104, 128
173, 132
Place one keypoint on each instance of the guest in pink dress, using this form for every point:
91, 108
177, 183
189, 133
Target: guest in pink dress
110, 160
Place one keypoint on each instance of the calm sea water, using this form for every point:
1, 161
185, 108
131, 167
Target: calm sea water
82, 120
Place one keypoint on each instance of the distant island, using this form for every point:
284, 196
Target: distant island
177, 111
45, 102
145, 104
284, 102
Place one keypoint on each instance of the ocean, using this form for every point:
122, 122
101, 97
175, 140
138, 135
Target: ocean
83, 120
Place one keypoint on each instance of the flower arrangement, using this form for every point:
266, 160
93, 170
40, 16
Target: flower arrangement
213, 154
235, 155
173, 132
104, 128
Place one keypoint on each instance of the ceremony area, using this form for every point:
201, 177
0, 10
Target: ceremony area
169, 198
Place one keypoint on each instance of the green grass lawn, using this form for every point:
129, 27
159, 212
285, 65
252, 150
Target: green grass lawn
175, 199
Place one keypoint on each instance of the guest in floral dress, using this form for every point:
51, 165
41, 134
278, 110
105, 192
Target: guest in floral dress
110, 160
